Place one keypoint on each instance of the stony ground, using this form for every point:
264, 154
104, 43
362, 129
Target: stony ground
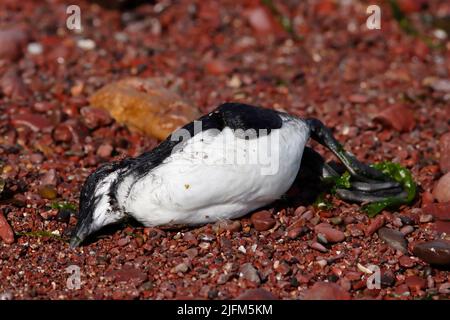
384, 92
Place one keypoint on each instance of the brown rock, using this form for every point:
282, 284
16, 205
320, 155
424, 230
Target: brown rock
332, 235
256, 294
415, 283
13, 41
6, 232
262, 220
398, 117
145, 105
48, 192
444, 147
261, 20
440, 211
326, 291
12, 86
442, 227
95, 117
33, 121
375, 224
435, 252
62, 133
394, 238
441, 191
128, 274
406, 262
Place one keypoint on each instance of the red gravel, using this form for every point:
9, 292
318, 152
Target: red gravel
330, 67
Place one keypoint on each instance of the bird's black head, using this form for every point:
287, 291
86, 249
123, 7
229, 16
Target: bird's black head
98, 206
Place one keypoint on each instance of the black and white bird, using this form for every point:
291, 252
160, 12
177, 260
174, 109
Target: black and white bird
234, 160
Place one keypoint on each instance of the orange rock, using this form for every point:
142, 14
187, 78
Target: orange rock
145, 105
6, 233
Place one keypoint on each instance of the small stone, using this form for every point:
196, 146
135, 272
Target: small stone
49, 178
256, 294
62, 133
217, 67
248, 272
441, 85
442, 227
416, 283
35, 48
145, 105
322, 238
95, 117
358, 98
64, 215
13, 40
398, 117
123, 241
6, 296
261, 20
406, 262
336, 220
6, 232
227, 225
407, 230
375, 225
295, 233
262, 220
332, 235
48, 192
105, 150
444, 147
394, 239
441, 191
182, 267
33, 121
223, 278
435, 252
128, 274
319, 247
326, 291
425, 218
444, 288
387, 279
86, 44
439, 211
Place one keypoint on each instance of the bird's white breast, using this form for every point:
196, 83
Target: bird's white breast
216, 175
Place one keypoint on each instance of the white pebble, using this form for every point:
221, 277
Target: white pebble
86, 44
35, 48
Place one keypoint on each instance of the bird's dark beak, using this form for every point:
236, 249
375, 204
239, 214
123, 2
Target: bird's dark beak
79, 234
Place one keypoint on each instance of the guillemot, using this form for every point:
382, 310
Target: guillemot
234, 160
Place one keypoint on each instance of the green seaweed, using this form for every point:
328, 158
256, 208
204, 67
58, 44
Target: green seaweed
64, 205
40, 234
402, 176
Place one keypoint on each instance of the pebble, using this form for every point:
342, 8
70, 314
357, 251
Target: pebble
182, 267
375, 225
444, 288
248, 272
33, 121
319, 247
64, 215
262, 220
297, 232
227, 225
49, 178
94, 118
6, 232
104, 150
425, 218
437, 84
406, 262
128, 274
416, 283
86, 44
261, 20
145, 105
326, 291
439, 211
12, 41
48, 192
394, 239
444, 147
322, 238
332, 235
398, 117
62, 133
407, 230
12, 85
256, 294
435, 252
6, 296
336, 220
441, 191
35, 48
